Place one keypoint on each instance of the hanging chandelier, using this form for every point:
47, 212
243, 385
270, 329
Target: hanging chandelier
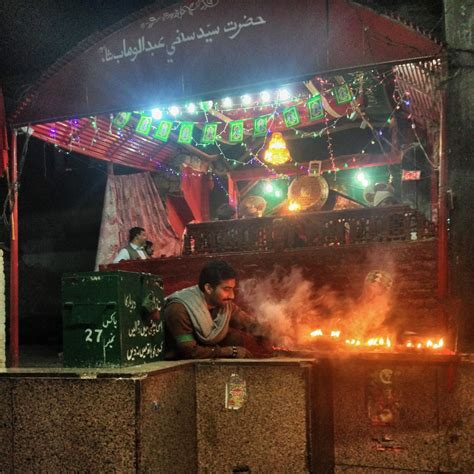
277, 153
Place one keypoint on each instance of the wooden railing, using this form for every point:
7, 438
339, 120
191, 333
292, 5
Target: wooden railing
318, 229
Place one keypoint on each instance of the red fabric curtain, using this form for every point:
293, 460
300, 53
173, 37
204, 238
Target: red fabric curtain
133, 200
174, 217
179, 212
195, 188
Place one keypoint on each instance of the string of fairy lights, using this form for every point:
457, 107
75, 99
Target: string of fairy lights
278, 105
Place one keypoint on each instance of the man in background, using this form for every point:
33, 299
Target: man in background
135, 248
149, 248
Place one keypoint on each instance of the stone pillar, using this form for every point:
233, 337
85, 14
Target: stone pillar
459, 18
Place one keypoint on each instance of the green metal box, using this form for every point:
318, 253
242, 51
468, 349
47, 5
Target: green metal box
112, 319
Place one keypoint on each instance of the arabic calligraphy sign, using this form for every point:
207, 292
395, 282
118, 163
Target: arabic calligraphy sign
202, 46
146, 46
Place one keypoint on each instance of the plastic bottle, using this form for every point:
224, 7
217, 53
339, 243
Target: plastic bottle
235, 392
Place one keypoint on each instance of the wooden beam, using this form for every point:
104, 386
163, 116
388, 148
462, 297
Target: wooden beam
345, 162
247, 188
193, 149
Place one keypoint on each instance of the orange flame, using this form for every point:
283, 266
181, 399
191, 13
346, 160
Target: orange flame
439, 345
353, 342
428, 344
381, 342
319, 332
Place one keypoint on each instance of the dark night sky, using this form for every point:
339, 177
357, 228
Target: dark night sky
35, 33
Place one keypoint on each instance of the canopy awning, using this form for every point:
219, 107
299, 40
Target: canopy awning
195, 50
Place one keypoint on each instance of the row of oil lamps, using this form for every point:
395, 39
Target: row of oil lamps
384, 342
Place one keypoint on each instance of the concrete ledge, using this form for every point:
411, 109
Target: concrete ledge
301, 415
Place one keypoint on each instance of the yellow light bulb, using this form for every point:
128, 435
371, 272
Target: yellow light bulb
294, 206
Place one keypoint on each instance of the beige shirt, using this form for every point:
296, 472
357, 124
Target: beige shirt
124, 255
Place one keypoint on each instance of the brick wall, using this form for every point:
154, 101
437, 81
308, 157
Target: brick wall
413, 266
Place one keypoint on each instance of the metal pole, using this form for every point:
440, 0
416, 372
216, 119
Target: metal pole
14, 345
442, 208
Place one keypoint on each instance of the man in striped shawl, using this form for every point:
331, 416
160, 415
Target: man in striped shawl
203, 321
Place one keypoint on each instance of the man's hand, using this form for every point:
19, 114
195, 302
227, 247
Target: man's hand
242, 352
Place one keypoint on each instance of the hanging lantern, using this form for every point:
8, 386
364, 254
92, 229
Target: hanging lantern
277, 153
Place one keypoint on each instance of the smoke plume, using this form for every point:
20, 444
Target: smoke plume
288, 307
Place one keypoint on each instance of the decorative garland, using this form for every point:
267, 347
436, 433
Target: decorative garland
235, 131
213, 133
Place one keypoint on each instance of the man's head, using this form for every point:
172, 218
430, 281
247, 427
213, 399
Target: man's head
217, 281
137, 236
149, 248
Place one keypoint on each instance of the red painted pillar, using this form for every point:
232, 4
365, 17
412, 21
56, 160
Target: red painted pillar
205, 190
233, 191
14, 344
